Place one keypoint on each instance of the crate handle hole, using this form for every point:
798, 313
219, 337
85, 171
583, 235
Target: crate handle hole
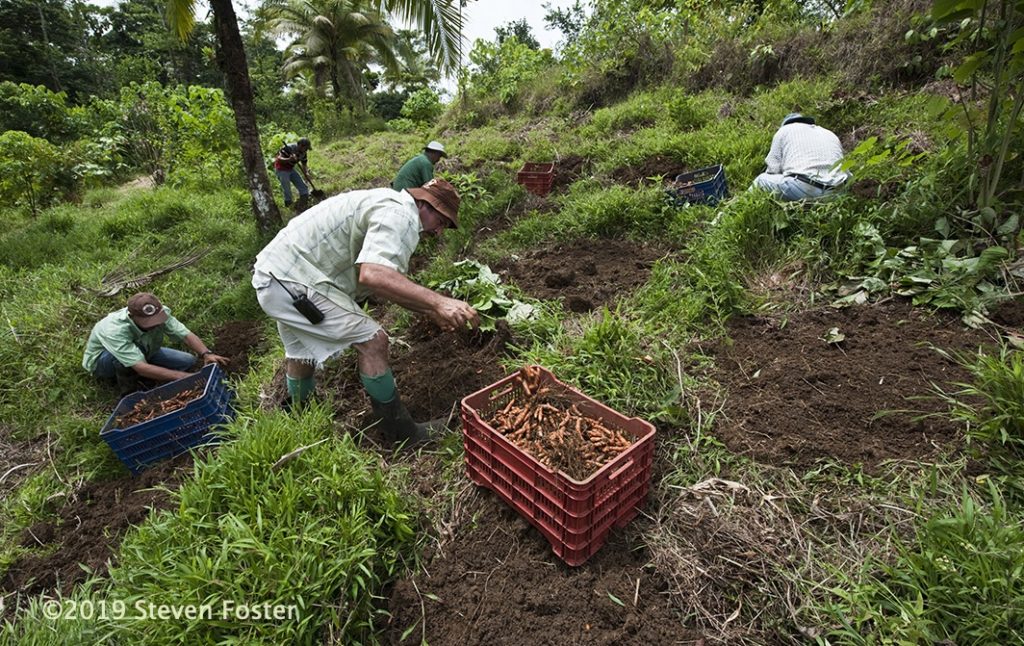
618, 472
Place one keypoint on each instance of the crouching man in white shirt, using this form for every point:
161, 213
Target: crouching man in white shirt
803, 163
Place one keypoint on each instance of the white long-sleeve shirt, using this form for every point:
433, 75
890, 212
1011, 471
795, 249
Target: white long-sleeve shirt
809, 150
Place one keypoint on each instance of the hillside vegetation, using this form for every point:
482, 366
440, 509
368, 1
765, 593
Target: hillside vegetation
837, 386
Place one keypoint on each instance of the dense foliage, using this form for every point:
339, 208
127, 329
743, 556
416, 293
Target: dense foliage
926, 97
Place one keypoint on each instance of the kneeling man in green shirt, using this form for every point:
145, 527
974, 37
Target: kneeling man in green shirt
420, 169
126, 344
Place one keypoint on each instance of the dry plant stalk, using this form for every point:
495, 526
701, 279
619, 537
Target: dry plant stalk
554, 431
146, 409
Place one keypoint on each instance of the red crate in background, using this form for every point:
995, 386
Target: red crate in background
536, 177
574, 516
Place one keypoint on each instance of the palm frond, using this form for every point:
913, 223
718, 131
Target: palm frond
181, 17
441, 22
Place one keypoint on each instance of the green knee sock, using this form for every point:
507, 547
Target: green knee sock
380, 388
299, 389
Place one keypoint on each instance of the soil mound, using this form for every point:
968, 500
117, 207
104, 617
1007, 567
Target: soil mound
89, 529
439, 369
585, 274
499, 583
568, 170
794, 398
658, 165
236, 340
1010, 314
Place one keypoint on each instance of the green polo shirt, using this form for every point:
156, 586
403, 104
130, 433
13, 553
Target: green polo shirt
117, 334
415, 173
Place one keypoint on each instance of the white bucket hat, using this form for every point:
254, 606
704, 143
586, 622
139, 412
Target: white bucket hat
436, 147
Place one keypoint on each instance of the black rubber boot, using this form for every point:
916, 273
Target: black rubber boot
398, 427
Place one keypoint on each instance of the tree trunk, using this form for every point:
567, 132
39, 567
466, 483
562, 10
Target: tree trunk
232, 62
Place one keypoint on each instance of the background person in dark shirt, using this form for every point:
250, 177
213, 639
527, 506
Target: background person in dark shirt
290, 156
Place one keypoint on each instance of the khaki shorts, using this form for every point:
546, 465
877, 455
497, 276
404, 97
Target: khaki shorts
305, 341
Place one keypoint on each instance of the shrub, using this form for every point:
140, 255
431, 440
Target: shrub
37, 111
422, 106
500, 69
32, 171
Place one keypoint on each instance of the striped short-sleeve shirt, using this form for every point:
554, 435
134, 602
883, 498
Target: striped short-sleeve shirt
809, 150
323, 247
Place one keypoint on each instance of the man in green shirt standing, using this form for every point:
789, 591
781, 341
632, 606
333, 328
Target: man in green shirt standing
420, 169
126, 345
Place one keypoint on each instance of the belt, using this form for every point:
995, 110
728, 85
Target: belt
815, 183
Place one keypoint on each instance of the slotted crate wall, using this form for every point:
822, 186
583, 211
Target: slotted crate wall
536, 177
175, 432
574, 516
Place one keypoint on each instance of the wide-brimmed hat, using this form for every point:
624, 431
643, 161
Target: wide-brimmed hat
796, 117
442, 196
146, 310
436, 147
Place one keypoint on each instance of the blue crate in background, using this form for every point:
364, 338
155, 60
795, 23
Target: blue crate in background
174, 432
704, 186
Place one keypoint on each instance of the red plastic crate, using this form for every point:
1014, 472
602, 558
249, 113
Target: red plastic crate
575, 516
536, 177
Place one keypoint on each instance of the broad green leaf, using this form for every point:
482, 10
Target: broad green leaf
875, 285
963, 73
1009, 226
834, 336
520, 312
857, 298
942, 8
1017, 38
991, 257
987, 217
942, 226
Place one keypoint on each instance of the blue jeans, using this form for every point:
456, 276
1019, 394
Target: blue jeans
287, 178
788, 188
107, 367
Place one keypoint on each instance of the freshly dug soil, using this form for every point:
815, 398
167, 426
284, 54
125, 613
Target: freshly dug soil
793, 399
439, 368
500, 584
89, 529
433, 372
1010, 314
585, 274
654, 166
568, 170
236, 340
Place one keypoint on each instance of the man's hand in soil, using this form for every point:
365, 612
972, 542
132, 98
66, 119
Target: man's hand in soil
215, 358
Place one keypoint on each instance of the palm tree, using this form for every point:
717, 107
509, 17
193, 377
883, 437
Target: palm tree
233, 64
441, 23
417, 68
335, 40
440, 20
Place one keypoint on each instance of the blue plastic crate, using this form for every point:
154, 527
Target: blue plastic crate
703, 186
174, 432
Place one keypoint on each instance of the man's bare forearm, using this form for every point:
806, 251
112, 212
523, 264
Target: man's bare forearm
392, 285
